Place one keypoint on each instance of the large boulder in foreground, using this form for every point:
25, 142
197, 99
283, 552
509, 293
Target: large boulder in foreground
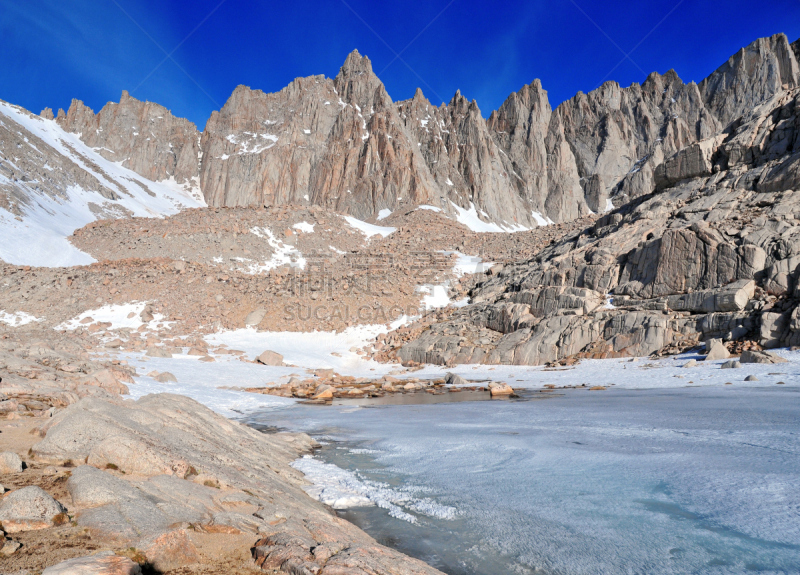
28, 509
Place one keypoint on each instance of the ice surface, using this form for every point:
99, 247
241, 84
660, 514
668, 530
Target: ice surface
663, 482
368, 230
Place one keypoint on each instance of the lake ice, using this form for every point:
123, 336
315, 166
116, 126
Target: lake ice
672, 481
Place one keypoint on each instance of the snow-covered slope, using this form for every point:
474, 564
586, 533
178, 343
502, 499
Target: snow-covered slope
51, 184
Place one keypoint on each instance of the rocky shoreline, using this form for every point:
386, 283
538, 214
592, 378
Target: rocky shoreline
172, 487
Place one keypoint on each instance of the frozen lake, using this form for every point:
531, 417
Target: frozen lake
656, 481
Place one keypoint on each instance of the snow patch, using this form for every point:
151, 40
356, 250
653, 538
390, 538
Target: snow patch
368, 230
384, 213
117, 316
470, 219
304, 227
17, 319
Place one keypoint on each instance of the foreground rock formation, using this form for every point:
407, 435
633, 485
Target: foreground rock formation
344, 144
169, 482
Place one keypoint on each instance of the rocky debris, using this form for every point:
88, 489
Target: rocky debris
29, 508
326, 387
760, 357
10, 463
45, 370
375, 282
270, 358
102, 563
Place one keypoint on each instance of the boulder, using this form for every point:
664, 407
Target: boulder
690, 363
323, 391
500, 389
752, 356
751, 378
732, 364
270, 358
166, 377
157, 352
103, 563
716, 350
29, 508
10, 462
171, 551
254, 317
455, 379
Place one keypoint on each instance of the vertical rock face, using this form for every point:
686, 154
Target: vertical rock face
144, 136
343, 144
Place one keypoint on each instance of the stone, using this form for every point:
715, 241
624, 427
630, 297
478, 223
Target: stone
158, 352
500, 389
254, 317
690, 363
323, 391
753, 356
172, 550
732, 364
270, 358
28, 509
10, 462
166, 377
751, 378
102, 563
9, 547
716, 350
455, 379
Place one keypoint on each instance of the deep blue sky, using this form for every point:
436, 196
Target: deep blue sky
56, 50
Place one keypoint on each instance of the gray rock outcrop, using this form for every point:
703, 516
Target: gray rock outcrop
712, 255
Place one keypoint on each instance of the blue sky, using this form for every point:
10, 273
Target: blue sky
189, 56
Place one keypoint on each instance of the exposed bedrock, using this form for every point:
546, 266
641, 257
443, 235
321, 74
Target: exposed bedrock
712, 253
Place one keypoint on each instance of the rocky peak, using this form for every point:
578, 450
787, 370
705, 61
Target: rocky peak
357, 84
752, 75
144, 136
